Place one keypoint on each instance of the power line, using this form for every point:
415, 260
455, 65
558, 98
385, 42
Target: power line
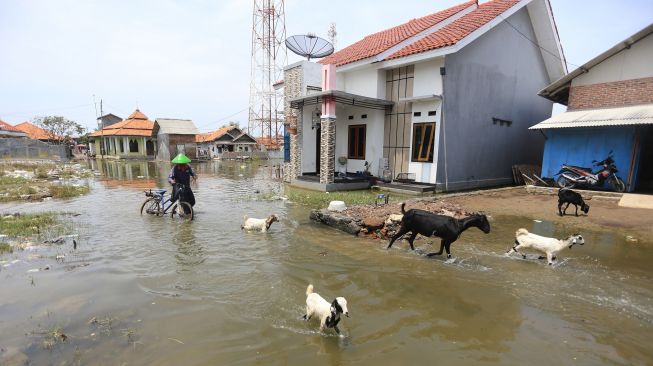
224, 118
537, 44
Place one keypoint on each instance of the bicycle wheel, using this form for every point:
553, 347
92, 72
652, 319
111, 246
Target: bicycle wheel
616, 184
182, 211
151, 206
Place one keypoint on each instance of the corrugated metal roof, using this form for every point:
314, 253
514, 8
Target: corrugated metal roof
175, 126
621, 116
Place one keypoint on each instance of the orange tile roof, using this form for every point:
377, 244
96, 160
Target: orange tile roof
212, 136
136, 125
35, 132
459, 29
7, 127
379, 42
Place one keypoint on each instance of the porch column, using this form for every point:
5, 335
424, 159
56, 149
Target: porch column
295, 144
328, 150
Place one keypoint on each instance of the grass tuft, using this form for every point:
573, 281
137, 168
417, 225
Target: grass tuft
27, 224
321, 199
64, 191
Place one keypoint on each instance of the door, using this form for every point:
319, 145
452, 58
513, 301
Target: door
318, 149
149, 147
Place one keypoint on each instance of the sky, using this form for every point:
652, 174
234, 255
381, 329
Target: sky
191, 59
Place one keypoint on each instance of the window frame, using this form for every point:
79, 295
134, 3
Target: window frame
430, 143
135, 141
356, 155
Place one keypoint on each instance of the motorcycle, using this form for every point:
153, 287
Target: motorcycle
574, 176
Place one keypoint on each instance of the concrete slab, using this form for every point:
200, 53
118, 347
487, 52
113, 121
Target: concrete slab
637, 201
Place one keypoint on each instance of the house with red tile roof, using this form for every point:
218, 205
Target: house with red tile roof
131, 138
35, 132
213, 144
444, 99
7, 130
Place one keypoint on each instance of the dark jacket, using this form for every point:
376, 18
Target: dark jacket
181, 175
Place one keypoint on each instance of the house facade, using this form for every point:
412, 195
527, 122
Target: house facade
212, 145
129, 139
175, 136
444, 99
610, 108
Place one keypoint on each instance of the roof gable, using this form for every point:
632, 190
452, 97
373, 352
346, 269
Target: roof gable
218, 134
4, 126
245, 138
459, 29
381, 41
35, 132
138, 126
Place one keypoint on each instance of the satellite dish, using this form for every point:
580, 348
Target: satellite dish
309, 45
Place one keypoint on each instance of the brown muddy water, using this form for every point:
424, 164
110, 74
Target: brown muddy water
149, 291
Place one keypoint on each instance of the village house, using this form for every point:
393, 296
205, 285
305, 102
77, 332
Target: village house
212, 145
128, 139
445, 99
107, 120
610, 108
37, 133
7, 130
175, 136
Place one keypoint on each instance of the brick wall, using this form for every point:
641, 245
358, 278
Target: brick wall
293, 79
613, 94
190, 146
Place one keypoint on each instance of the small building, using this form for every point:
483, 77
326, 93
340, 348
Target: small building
107, 120
37, 133
7, 130
129, 139
442, 100
609, 103
212, 145
175, 136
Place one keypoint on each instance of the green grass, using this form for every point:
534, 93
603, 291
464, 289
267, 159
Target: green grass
27, 224
321, 199
6, 248
67, 191
8, 181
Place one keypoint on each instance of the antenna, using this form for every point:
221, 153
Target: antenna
332, 34
309, 45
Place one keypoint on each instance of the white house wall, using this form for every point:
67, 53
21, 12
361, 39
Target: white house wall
633, 63
373, 137
426, 172
364, 82
428, 80
308, 142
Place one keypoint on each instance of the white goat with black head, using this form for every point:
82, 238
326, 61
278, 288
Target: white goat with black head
550, 246
261, 225
329, 313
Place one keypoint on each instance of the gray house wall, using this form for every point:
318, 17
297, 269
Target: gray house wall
497, 75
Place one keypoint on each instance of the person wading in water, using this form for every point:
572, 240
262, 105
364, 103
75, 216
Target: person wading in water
180, 174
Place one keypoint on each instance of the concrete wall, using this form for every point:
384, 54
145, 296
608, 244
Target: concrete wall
633, 63
373, 137
369, 82
308, 142
497, 75
427, 77
579, 146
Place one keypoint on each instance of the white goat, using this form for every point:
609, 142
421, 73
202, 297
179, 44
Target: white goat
329, 314
550, 246
258, 224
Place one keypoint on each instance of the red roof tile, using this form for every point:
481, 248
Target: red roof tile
459, 29
212, 136
7, 127
379, 42
136, 125
35, 132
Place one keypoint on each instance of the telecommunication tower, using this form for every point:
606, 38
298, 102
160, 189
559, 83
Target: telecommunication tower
269, 56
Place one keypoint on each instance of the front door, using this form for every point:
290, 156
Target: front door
318, 149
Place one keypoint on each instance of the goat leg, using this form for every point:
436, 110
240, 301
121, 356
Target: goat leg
575, 205
336, 329
399, 234
411, 239
564, 212
560, 203
440, 252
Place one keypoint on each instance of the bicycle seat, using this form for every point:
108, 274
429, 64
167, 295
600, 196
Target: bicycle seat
160, 191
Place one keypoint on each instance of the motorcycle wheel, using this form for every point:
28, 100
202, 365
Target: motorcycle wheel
616, 184
566, 183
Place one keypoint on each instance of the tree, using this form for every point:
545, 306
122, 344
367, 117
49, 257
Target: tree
58, 128
231, 123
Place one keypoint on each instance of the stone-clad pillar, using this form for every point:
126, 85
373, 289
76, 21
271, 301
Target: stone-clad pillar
328, 150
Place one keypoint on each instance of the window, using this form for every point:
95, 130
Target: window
356, 145
423, 134
133, 145
122, 146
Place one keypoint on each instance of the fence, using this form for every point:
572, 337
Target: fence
31, 149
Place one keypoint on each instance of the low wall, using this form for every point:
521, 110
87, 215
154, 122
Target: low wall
31, 149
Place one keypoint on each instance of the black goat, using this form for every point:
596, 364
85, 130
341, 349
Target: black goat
571, 198
445, 227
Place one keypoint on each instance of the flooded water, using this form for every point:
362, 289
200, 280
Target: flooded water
147, 290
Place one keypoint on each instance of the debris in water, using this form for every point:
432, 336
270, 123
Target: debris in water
323, 253
60, 257
74, 244
176, 340
537, 220
631, 239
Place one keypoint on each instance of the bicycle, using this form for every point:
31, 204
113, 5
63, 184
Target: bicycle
158, 204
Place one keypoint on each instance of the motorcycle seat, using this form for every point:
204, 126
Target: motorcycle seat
581, 168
